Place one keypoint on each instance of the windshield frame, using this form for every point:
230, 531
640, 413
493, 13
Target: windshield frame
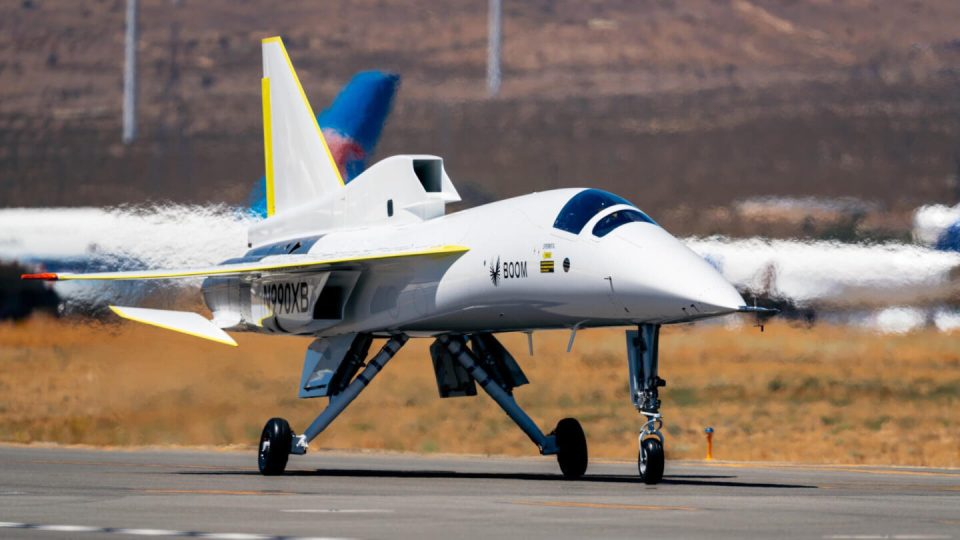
584, 206
618, 218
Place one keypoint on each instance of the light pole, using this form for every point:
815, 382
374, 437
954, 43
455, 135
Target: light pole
493, 47
130, 75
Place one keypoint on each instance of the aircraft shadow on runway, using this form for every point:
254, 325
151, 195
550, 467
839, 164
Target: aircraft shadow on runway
668, 479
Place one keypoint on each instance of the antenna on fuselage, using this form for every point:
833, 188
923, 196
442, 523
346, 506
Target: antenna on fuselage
573, 335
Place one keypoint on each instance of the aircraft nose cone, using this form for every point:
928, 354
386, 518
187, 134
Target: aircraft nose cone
658, 277
720, 296
687, 280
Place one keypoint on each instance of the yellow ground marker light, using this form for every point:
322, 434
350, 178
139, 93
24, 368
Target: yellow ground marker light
602, 506
709, 432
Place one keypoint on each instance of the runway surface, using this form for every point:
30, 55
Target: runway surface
51, 493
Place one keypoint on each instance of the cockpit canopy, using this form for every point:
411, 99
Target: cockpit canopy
583, 206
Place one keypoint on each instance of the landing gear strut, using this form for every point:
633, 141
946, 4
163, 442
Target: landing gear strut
643, 355
278, 441
567, 441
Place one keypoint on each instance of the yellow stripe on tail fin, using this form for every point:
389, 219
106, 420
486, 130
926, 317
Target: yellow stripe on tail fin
268, 145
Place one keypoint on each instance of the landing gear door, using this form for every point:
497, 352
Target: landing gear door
321, 363
642, 354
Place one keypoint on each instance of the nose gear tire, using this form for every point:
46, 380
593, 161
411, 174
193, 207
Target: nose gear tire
274, 449
571, 448
650, 461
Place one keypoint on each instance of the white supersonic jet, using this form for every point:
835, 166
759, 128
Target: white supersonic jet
379, 258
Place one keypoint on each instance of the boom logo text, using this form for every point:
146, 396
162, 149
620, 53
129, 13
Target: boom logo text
507, 270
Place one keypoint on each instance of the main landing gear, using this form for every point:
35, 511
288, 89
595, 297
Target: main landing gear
460, 363
278, 441
459, 368
643, 355
485, 365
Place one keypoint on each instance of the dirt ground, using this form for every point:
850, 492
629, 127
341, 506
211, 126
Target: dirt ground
819, 395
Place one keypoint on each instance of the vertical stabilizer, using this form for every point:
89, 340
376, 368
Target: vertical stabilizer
299, 165
351, 127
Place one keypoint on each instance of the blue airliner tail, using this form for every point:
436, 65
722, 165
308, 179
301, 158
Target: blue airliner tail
351, 127
353, 123
949, 239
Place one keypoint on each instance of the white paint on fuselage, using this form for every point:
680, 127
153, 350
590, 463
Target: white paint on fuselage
637, 273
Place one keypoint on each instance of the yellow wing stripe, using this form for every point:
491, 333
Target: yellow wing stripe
125, 315
268, 145
303, 96
254, 267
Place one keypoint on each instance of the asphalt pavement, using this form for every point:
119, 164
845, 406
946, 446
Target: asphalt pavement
51, 493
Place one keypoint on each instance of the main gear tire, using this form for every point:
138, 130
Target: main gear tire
274, 449
571, 448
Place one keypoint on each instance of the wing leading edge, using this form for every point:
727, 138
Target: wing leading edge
285, 263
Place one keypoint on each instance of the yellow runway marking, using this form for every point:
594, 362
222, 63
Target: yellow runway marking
892, 487
866, 469
601, 506
127, 464
213, 492
883, 471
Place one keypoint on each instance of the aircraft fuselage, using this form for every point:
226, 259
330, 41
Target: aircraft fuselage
521, 273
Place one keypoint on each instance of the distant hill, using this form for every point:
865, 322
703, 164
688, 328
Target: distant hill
675, 104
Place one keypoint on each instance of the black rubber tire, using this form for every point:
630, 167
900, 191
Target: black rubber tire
650, 461
571, 448
274, 450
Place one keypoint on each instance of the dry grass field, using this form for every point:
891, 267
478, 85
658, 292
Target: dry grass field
825, 395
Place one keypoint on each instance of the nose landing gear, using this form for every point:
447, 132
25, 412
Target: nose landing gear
650, 457
643, 355
650, 460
